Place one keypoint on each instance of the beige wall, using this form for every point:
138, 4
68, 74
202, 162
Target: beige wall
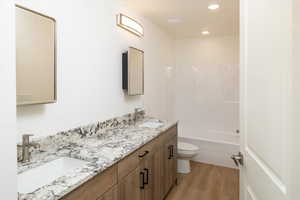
89, 46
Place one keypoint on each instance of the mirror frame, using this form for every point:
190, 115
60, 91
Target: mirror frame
55, 59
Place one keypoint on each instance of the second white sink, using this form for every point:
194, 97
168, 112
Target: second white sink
38, 177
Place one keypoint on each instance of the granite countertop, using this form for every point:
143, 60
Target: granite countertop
101, 144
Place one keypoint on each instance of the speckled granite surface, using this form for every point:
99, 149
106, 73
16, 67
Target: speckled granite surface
101, 144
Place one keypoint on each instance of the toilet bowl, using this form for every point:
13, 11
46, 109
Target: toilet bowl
186, 152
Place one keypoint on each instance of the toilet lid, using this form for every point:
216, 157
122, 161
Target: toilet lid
187, 146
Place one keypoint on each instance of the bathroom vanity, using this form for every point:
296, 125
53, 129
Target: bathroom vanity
148, 173
125, 161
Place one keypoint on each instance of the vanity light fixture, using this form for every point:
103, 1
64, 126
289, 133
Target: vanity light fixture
130, 25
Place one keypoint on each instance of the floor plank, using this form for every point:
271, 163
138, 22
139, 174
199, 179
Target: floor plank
207, 182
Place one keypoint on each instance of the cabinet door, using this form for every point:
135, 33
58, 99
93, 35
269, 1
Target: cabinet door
112, 194
170, 164
158, 174
148, 168
174, 159
168, 167
130, 186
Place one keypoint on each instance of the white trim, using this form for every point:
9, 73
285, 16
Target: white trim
243, 91
210, 140
251, 193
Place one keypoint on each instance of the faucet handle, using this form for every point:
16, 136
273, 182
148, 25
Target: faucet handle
26, 138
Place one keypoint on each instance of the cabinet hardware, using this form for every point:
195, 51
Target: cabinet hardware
145, 153
142, 176
170, 152
147, 176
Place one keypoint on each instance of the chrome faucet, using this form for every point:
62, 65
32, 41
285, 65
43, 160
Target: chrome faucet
25, 148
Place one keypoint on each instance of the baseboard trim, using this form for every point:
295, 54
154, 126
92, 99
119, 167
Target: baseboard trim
214, 152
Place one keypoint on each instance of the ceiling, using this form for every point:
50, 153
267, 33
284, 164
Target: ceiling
192, 16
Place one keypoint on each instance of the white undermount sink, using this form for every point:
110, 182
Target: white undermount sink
35, 178
151, 124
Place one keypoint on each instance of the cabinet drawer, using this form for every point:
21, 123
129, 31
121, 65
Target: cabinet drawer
150, 148
129, 163
95, 187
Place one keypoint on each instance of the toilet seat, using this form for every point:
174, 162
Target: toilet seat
187, 150
187, 147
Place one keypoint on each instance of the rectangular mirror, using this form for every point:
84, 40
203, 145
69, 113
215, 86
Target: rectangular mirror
35, 57
133, 71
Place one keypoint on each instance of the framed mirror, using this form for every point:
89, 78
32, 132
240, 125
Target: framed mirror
133, 71
35, 57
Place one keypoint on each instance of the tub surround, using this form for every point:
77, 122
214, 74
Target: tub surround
101, 144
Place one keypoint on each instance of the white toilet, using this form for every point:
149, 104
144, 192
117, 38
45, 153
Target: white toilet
186, 152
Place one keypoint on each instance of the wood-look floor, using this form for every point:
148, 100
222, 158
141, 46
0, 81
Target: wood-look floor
207, 182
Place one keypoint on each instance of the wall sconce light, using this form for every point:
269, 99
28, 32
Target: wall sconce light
130, 25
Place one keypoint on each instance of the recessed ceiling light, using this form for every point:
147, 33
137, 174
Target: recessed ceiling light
174, 20
213, 6
205, 32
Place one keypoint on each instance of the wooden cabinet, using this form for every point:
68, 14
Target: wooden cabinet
160, 166
96, 187
130, 186
138, 185
170, 164
147, 174
147, 168
155, 171
158, 174
112, 194
165, 164
133, 160
173, 167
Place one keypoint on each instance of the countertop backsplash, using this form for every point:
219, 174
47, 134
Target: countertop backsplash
84, 131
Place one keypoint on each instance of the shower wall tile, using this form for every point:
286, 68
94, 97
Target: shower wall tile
207, 88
